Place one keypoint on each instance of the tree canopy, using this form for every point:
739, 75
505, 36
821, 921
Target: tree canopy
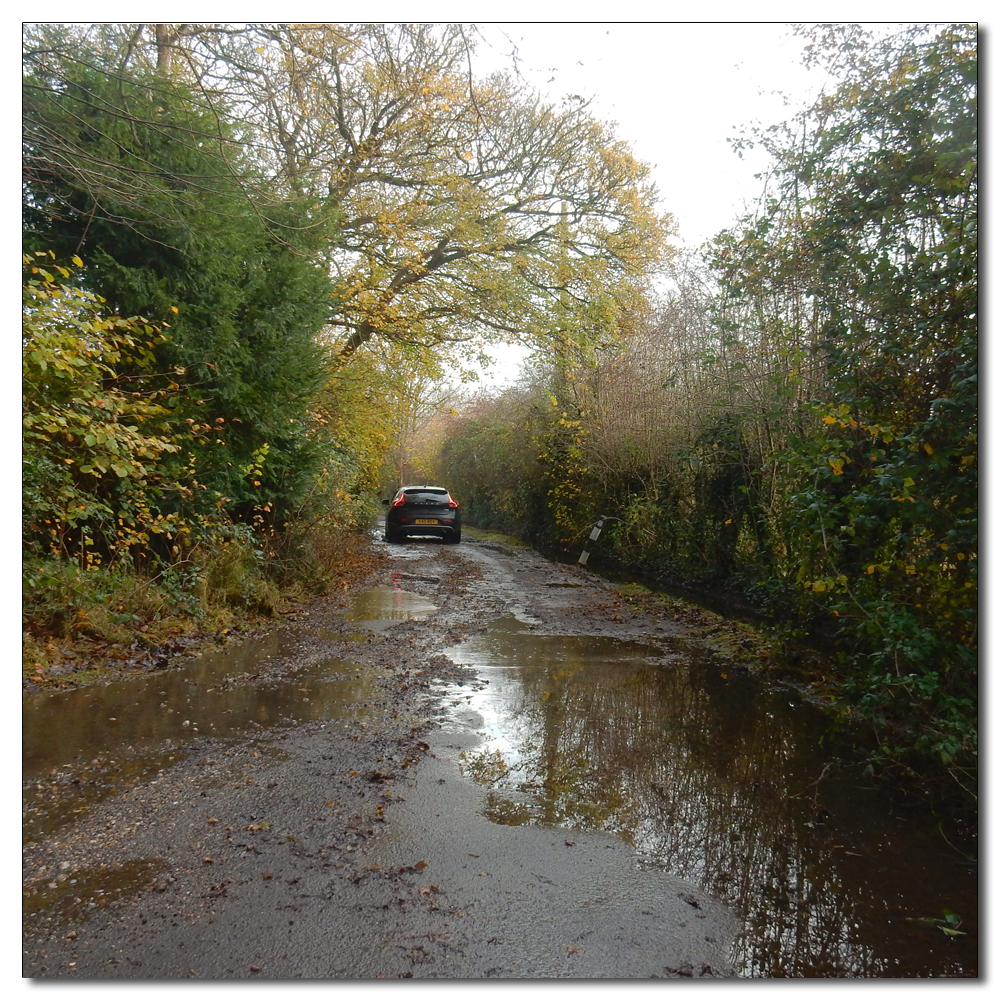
136, 178
798, 420
449, 209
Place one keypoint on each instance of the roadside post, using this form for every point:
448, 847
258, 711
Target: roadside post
594, 535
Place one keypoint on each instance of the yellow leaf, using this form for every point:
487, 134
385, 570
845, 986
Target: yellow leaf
928, 448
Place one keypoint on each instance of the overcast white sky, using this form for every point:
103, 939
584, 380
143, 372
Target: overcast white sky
677, 92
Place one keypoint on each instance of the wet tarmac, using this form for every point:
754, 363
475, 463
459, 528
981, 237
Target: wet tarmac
566, 788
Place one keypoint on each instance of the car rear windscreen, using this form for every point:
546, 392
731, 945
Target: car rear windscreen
437, 496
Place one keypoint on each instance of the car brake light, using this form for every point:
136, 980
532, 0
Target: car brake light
399, 502
453, 504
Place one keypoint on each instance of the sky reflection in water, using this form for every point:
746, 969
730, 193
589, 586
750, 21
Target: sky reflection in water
727, 782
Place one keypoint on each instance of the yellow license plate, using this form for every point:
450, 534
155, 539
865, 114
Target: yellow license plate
425, 520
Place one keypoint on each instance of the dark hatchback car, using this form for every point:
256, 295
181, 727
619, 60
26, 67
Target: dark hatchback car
422, 510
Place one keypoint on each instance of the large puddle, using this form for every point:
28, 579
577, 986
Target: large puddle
380, 607
80, 746
741, 787
216, 695
83, 745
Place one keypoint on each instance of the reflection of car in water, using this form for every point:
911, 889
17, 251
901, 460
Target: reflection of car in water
422, 510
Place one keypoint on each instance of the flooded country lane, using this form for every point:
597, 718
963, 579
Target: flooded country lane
488, 765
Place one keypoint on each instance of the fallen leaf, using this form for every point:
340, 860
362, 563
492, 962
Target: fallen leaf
573, 950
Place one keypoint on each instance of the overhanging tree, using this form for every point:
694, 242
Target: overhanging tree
459, 202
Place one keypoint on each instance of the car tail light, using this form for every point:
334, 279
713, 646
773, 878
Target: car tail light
399, 502
453, 504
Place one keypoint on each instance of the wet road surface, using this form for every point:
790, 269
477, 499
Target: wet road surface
488, 766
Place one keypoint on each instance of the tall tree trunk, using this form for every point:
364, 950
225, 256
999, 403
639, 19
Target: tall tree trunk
166, 36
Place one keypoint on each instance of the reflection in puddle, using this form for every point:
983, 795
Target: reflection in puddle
724, 783
77, 895
115, 735
67, 794
381, 606
211, 697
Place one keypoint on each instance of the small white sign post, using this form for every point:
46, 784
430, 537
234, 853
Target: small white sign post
594, 535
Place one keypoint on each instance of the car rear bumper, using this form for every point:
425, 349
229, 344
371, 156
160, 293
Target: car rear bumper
440, 530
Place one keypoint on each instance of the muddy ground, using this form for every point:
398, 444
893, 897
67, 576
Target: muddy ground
354, 847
